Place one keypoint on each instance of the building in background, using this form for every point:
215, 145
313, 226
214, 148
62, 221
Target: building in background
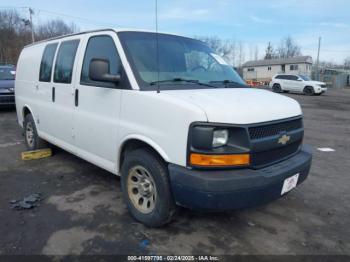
264, 70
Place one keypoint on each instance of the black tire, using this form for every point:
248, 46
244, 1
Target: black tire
309, 91
277, 88
33, 141
164, 207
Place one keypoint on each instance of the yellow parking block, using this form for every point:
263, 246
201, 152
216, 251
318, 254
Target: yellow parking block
36, 154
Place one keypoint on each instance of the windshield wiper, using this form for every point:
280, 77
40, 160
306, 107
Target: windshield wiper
230, 82
178, 79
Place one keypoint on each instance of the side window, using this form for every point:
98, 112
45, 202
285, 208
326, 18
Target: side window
102, 47
46, 62
65, 61
293, 67
294, 78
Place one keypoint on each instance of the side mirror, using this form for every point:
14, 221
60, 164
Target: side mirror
299, 79
99, 71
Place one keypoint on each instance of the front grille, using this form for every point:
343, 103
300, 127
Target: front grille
266, 157
323, 86
263, 131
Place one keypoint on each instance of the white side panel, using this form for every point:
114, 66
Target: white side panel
160, 120
27, 75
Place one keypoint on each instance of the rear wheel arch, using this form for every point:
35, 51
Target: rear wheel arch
25, 111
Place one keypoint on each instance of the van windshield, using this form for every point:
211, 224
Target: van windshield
178, 58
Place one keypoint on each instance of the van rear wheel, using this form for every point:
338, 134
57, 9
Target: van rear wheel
146, 188
32, 140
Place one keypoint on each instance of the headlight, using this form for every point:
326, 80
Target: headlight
216, 145
220, 137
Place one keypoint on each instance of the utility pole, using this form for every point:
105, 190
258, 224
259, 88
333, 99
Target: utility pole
31, 12
318, 59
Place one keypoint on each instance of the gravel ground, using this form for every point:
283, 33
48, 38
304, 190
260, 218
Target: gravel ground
82, 211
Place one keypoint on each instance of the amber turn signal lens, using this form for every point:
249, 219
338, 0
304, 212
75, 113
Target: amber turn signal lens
219, 160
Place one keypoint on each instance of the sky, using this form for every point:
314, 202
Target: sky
253, 22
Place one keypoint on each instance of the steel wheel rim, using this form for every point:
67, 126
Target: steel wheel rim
142, 190
30, 134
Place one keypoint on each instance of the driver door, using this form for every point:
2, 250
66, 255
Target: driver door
97, 105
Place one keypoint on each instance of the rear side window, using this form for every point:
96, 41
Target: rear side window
280, 77
65, 61
294, 78
46, 62
100, 47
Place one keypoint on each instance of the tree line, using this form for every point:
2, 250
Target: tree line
15, 33
235, 51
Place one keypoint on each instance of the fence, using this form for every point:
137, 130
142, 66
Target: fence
333, 78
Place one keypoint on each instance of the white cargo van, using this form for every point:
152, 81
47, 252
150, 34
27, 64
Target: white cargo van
165, 113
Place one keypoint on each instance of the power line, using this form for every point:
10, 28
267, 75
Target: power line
328, 50
60, 14
74, 17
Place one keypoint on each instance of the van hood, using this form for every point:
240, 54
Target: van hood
239, 105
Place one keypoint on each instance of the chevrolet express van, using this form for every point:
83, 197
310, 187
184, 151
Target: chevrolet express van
167, 114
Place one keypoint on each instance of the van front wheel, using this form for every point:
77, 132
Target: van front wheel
146, 188
32, 140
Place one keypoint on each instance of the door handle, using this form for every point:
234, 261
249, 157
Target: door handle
76, 97
53, 94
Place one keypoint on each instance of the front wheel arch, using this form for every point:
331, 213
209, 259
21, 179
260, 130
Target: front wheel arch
132, 144
311, 92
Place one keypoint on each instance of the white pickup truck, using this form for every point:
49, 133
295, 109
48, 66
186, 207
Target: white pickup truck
165, 113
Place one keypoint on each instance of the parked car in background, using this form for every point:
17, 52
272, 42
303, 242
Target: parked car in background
7, 85
183, 129
298, 84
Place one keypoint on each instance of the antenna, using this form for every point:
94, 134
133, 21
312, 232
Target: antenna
157, 47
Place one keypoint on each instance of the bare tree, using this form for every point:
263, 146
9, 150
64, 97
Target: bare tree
15, 33
54, 28
288, 48
270, 52
241, 54
256, 53
225, 48
13, 36
251, 51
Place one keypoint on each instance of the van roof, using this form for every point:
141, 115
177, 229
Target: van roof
98, 30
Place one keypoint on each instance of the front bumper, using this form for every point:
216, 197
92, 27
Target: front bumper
234, 189
321, 90
7, 99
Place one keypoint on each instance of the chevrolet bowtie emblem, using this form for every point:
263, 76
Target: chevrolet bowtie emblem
283, 139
